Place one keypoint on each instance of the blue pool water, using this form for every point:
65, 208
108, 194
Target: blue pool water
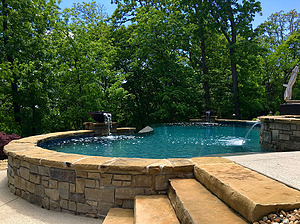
166, 142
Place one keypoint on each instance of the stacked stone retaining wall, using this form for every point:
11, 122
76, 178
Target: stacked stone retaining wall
280, 133
87, 185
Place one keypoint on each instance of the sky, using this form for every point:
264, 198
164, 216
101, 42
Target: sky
268, 7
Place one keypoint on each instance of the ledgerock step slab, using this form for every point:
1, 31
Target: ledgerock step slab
249, 193
154, 209
119, 216
194, 204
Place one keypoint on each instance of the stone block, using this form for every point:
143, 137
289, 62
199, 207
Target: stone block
53, 183
10, 160
116, 183
293, 127
128, 193
94, 175
64, 190
44, 171
296, 133
24, 173
249, 193
22, 183
18, 192
79, 185
45, 178
90, 183
286, 127
62, 175
46, 203
54, 206
126, 184
284, 137
103, 195
64, 204
17, 182
30, 187
275, 134
33, 168
32, 198
92, 203
72, 206
119, 202
45, 183
84, 208
24, 164
35, 178
16, 163
53, 194
122, 177
106, 179
278, 126
267, 137
103, 208
142, 181
77, 197
12, 188
161, 182
40, 190
272, 126
11, 171
72, 188
11, 180
24, 195
128, 204
80, 173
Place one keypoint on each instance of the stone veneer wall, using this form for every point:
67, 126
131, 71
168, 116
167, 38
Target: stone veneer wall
87, 185
280, 133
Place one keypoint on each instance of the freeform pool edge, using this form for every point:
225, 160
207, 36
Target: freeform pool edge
88, 185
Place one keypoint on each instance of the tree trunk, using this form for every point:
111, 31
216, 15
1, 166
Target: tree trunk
234, 83
205, 75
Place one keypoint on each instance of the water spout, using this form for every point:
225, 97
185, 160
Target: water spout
250, 130
108, 122
207, 115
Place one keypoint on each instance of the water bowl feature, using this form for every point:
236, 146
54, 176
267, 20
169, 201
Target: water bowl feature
99, 116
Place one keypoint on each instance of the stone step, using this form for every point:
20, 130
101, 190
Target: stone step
119, 216
194, 204
249, 193
154, 209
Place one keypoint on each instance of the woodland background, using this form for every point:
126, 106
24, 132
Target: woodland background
152, 61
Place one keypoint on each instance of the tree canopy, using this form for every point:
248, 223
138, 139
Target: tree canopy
152, 61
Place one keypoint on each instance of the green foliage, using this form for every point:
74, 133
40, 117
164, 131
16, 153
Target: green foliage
151, 62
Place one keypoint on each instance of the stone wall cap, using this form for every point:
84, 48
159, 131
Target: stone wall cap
26, 149
292, 119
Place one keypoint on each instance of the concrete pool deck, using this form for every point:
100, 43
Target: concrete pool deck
281, 166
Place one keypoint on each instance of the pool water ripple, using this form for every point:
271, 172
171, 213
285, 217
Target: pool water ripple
166, 142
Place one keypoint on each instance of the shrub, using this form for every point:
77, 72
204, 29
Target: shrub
5, 139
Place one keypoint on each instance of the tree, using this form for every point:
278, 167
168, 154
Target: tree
22, 33
159, 77
85, 78
234, 21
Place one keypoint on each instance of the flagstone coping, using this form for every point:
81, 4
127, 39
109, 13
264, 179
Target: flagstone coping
27, 149
285, 119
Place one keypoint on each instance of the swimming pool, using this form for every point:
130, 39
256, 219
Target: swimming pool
167, 141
